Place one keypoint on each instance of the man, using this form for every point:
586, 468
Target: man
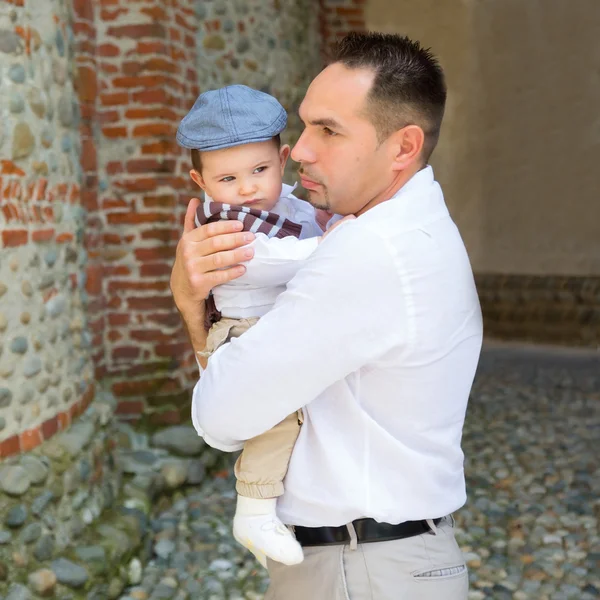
376, 339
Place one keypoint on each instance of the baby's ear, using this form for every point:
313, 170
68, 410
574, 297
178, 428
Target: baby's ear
284, 154
197, 178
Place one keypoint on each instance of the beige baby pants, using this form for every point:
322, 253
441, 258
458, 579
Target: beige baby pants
262, 465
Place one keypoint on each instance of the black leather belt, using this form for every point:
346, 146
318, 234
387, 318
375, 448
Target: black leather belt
367, 530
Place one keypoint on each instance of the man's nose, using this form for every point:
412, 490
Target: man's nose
302, 151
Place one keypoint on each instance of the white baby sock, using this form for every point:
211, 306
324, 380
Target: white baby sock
257, 527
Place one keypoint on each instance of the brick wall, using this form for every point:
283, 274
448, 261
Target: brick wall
339, 17
139, 187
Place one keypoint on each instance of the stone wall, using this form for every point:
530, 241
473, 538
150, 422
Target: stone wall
46, 372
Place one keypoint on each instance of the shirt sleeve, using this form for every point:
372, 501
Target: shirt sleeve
276, 260
343, 310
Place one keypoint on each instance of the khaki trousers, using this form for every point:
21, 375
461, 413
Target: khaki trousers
262, 465
424, 567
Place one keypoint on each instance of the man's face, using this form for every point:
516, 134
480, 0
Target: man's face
248, 175
342, 165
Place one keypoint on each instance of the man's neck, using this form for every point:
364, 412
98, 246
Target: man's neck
397, 183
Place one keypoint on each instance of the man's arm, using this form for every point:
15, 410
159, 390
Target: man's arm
206, 256
343, 310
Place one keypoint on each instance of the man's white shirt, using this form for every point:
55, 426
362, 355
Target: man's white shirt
377, 338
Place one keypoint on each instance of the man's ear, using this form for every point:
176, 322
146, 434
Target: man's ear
284, 154
197, 178
407, 146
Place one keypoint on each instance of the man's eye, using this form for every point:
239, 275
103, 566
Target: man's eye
328, 131
228, 179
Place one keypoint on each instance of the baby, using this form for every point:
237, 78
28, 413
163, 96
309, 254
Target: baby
238, 160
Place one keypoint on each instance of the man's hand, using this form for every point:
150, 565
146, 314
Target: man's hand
206, 256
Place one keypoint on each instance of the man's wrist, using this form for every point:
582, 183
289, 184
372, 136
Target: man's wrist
193, 319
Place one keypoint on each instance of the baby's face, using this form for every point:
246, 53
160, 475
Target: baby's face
247, 175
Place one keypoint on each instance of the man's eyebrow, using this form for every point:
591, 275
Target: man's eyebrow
324, 122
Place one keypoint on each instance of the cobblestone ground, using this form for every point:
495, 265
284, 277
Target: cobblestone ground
529, 529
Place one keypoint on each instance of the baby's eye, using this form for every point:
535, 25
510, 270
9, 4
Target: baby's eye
260, 169
228, 179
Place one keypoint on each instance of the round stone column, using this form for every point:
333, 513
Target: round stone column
46, 375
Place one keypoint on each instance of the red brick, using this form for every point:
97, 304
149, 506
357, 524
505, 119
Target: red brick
154, 30
151, 113
142, 387
114, 303
88, 154
158, 96
16, 237
138, 218
119, 285
111, 239
117, 271
114, 99
159, 147
156, 13
150, 335
126, 352
114, 132
9, 168
167, 201
116, 319
129, 407
64, 238
155, 270
155, 254
85, 30
111, 203
171, 349
108, 50
30, 439
149, 48
164, 235
170, 319
115, 336
93, 284
112, 15
151, 129
145, 165
160, 64
166, 417
83, 9
150, 303
87, 85
10, 447
113, 167
64, 420
143, 81
75, 409
42, 235
50, 427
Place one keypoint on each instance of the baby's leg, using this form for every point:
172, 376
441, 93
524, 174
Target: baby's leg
260, 471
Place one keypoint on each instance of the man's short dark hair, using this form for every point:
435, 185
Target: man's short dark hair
409, 86
197, 160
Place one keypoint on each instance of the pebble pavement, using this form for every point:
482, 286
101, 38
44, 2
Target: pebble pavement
529, 530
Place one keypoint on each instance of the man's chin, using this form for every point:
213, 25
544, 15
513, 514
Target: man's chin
317, 200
